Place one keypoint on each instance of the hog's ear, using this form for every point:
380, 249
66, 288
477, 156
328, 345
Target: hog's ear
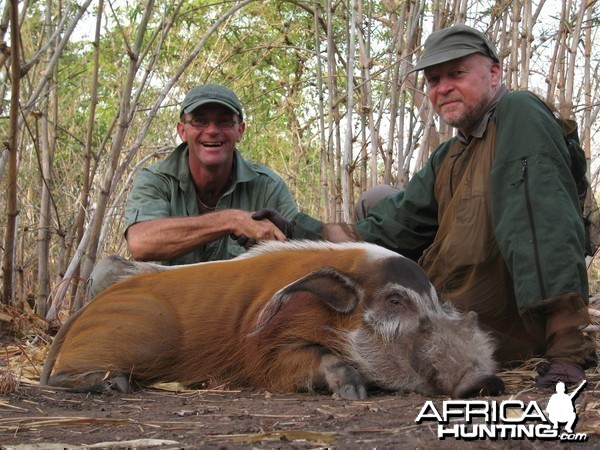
335, 289
471, 319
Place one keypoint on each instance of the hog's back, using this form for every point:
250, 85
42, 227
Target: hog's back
188, 324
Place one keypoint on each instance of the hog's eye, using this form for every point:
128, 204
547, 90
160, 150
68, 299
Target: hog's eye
396, 299
400, 303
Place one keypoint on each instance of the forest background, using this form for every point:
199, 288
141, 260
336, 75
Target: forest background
90, 92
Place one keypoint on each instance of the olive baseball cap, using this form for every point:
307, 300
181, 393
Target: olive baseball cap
211, 93
452, 43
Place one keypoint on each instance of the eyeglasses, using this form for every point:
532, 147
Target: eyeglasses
203, 122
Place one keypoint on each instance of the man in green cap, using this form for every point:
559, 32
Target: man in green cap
197, 203
493, 217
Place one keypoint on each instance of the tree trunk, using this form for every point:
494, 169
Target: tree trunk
10, 235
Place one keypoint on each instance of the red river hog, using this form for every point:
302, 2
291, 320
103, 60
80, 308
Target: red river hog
298, 316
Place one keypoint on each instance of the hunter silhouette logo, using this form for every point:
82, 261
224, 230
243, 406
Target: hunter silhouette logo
560, 407
507, 419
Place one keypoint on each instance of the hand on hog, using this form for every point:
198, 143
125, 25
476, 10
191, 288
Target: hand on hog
244, 241
277, 219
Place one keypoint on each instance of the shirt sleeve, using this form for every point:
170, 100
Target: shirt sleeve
405, 222
535, 212
150, 198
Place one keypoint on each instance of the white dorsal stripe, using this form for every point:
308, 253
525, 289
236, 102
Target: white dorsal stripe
373, 252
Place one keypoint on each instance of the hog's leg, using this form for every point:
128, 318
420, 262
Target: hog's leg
94, 382
307, 366
122, 338
342, 378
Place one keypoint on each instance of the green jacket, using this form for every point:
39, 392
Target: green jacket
537, 224
165, 189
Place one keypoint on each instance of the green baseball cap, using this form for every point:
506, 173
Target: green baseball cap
452, 43
211, 93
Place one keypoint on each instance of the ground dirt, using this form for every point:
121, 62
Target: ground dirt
224, 417
36, 417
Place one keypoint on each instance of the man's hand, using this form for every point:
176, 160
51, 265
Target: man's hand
244, 241
250, 230
277, 219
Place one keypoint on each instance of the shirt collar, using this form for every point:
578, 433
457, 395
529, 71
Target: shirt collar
485, 118
177, 165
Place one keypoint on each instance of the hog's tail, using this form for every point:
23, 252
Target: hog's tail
56, 346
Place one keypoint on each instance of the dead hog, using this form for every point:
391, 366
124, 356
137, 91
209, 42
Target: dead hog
287, 317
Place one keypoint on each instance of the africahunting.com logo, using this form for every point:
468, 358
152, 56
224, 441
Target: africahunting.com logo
508, 419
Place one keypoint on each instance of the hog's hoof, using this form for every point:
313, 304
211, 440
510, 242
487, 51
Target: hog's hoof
94, 383
352, 392
489, 385
117, 384
341, 378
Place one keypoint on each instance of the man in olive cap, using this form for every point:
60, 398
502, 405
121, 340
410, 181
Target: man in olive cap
197, 203
493, 217
200, 202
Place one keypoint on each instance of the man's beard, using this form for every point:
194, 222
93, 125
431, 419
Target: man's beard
469, 119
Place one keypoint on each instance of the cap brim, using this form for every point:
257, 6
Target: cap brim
206, 101
442, 57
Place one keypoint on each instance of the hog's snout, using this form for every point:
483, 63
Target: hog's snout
485, 386
437, 354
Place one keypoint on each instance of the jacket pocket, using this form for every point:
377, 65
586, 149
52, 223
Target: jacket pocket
532, 225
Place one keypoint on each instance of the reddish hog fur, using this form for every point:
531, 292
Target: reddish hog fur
286, 317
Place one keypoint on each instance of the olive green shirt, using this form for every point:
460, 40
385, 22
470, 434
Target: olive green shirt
166, 189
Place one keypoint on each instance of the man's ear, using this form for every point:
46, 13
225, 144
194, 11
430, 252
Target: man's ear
496, 73
242, 128
181, 131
